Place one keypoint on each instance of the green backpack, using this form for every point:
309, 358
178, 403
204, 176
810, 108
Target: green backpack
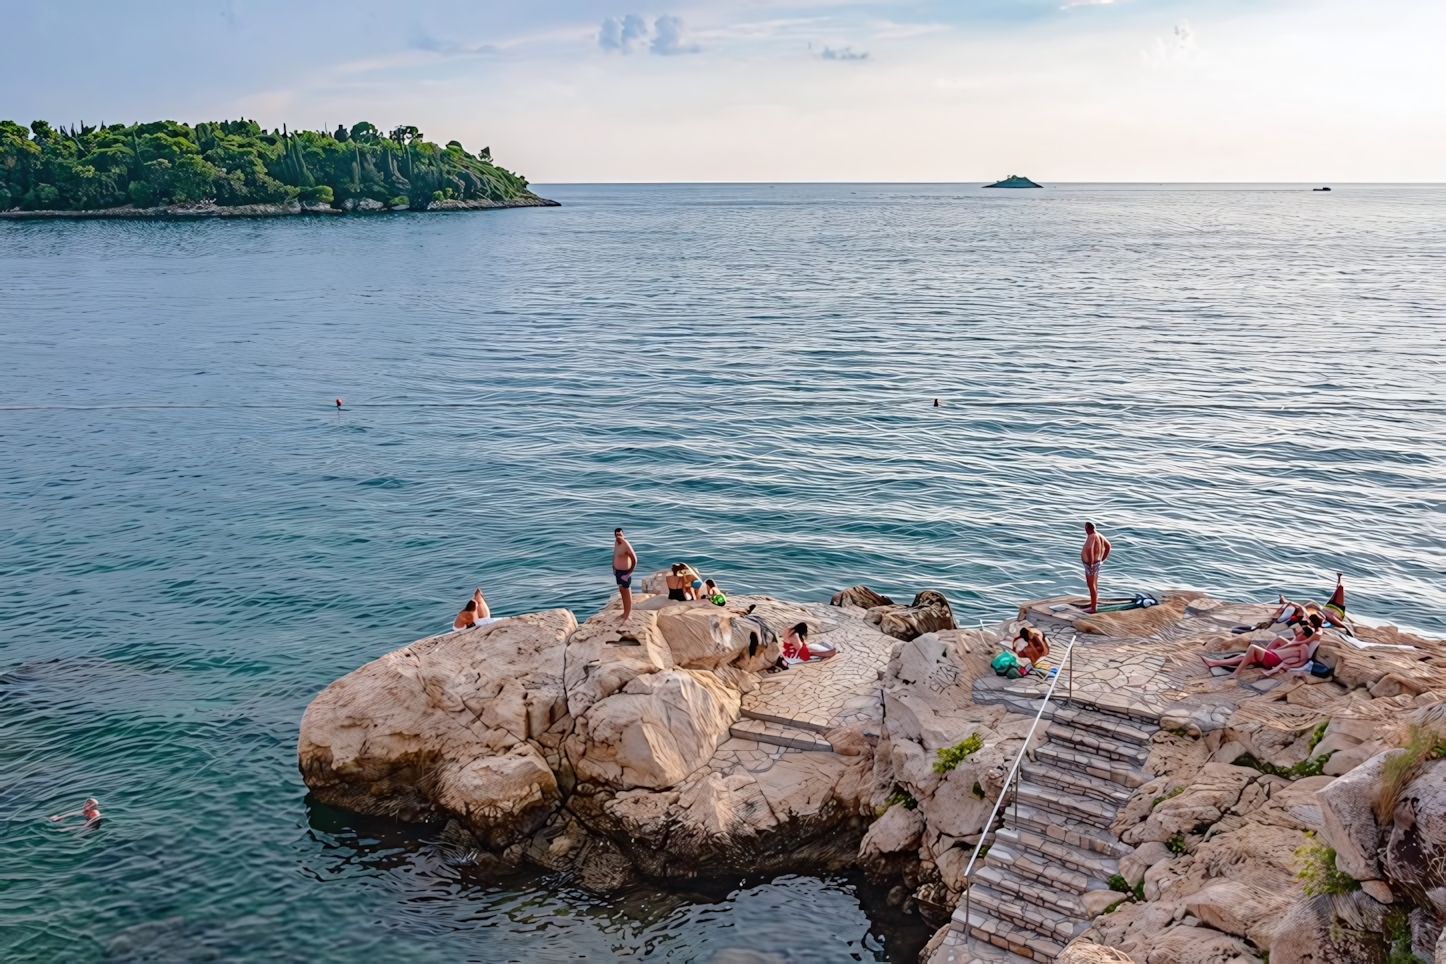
1005, 662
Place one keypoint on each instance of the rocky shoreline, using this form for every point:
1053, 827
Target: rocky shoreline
210, 209
1165, 815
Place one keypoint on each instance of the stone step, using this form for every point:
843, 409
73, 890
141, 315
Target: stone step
1012, 878
1122, 705
777, 734
1108, 725
815, 724
1026, 849
1092, 741
1065, 829
1062, 803
982, 925
1046, 922
959, 948
1026, 891
1077, 783
1066, 757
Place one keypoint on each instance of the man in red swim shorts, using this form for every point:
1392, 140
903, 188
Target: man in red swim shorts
1279, 654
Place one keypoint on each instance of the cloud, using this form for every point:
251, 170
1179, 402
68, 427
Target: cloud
622, 35
672, 37
844, 53
450, 48
669, 35
1178, 48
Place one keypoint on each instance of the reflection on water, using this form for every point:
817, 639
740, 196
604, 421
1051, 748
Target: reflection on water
1243, 387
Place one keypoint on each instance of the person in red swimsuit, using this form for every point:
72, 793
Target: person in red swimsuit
1277, 655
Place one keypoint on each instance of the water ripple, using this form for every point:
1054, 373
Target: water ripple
1243, 386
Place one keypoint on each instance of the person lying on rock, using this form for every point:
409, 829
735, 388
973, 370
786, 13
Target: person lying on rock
1332, 614
1279, 654
474, 614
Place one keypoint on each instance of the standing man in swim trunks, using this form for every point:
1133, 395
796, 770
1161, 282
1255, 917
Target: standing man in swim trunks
625, 560
1096, 550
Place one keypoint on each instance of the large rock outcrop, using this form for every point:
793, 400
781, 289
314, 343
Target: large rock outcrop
660, 728
462, 725
594, 749
928, 613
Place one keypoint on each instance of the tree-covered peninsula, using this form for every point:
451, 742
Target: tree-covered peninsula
165, 165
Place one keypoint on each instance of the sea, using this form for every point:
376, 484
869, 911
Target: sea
1243, 386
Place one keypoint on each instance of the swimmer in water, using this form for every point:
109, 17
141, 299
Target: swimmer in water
90, 810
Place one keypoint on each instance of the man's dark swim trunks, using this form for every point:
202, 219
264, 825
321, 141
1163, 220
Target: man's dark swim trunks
624, 577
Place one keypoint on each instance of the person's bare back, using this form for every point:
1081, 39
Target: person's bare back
1096, 550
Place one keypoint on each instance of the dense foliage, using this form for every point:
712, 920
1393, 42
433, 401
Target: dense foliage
236, 162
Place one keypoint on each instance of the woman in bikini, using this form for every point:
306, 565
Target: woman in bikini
795, 645
677, 580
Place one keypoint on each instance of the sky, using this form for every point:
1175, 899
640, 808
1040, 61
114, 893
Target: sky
759, 90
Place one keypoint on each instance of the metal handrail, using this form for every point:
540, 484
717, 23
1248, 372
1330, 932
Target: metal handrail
1014, 777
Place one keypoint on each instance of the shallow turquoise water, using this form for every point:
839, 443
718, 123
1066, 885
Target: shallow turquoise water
1242, 386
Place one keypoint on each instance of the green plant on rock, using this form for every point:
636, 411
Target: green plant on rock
1176, 844
1117, 882
1319, 874
1397, 926
951, 756
1169, 796
1140, 890
1318, 735
1309, 767
976, 791
1401, 768
901, 797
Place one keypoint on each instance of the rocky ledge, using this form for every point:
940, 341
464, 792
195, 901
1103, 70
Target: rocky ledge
210, 209
1165, 815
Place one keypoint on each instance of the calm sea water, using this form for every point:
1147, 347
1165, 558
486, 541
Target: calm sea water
1243, 386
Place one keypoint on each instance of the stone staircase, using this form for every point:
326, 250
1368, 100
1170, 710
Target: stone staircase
1046, 874
775, 731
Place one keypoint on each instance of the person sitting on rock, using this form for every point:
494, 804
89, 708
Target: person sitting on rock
1279, 654
710, 591
679, 588
796, 647
1031, 645
474, 614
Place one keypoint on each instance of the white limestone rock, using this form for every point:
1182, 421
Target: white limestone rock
659, 729
604, 655
1349, 821
457, 724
